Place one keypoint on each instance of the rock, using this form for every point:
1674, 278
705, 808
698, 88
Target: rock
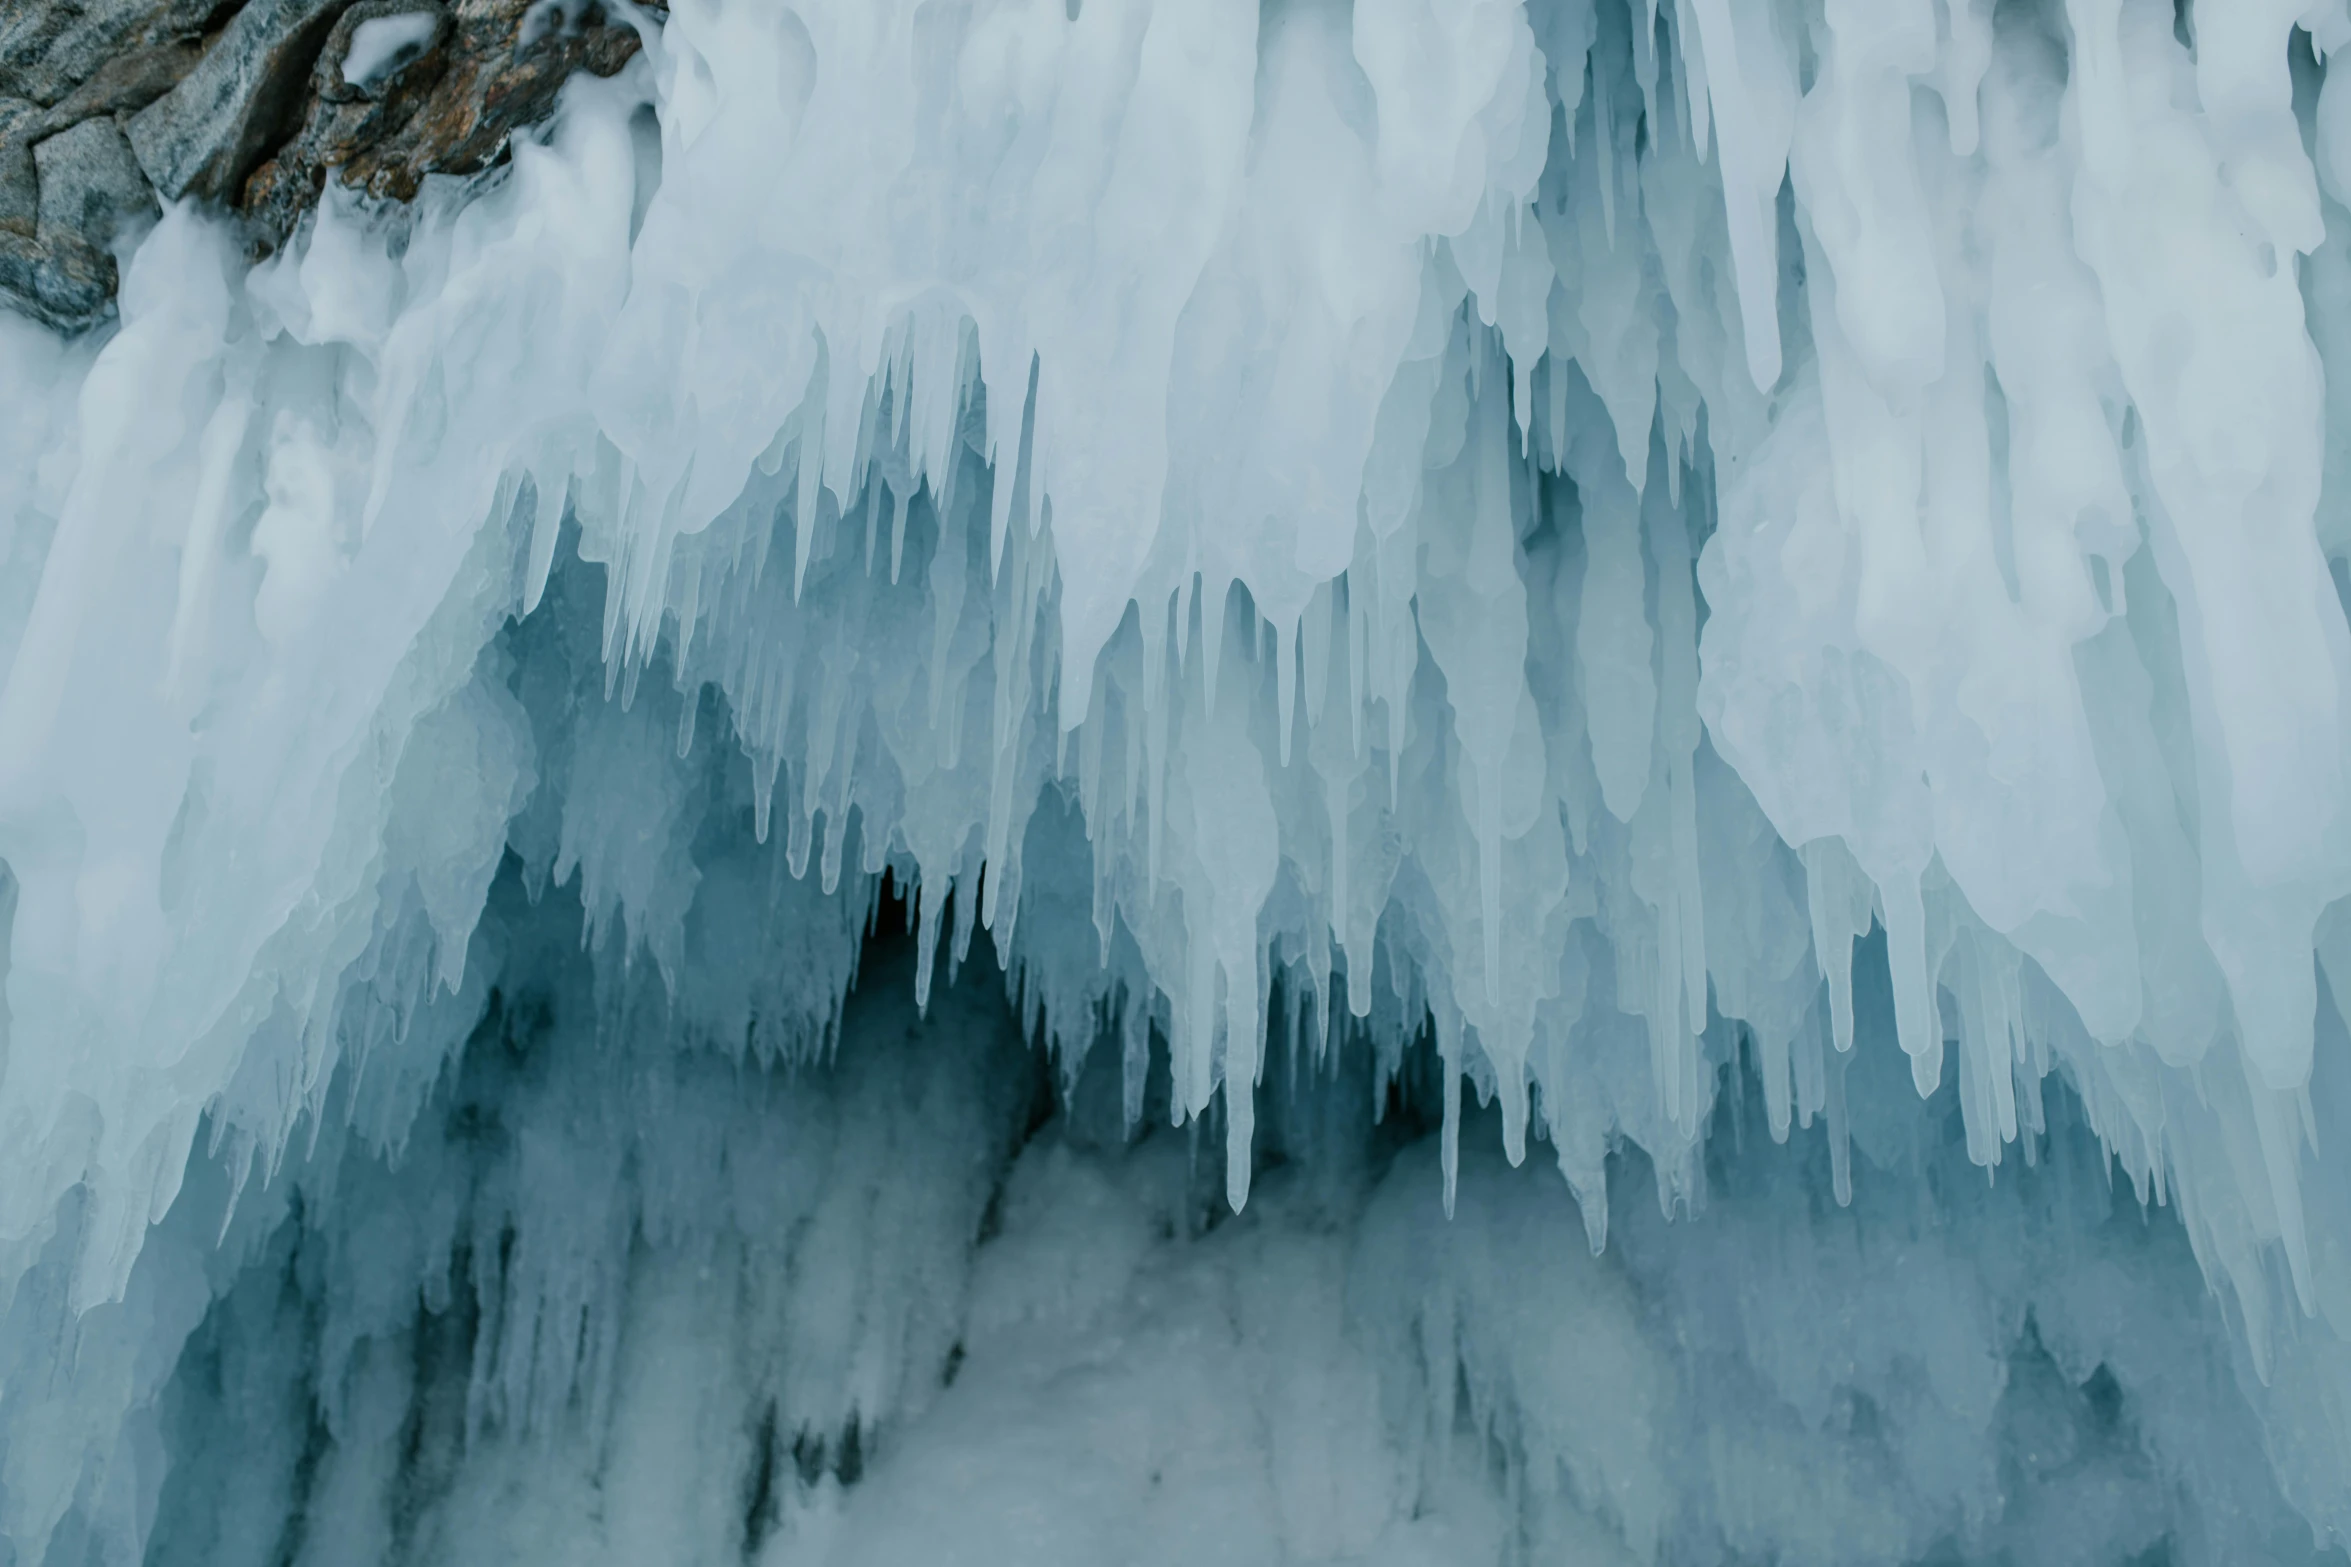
91, 187
62, 281
207, 133
48, 269
20, 194
417, 71
376, 47
126, 83
496, 67
48, 48
245, 103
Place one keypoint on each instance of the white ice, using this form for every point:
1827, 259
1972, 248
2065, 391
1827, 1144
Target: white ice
1598, 556
382, 44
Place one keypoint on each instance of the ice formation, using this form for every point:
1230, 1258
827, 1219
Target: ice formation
1749, 593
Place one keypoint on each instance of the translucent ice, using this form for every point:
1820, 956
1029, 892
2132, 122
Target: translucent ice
1691, 568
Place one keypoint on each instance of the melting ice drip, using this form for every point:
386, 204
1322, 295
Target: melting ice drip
1545, 524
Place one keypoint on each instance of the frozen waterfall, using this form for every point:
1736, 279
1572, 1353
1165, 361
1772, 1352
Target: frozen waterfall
1191, 781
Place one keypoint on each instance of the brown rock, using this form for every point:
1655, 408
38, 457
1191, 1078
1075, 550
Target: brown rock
494, 68
20, 191
244, 102
407, 71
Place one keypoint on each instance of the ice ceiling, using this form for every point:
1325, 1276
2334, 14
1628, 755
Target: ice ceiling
1739, 600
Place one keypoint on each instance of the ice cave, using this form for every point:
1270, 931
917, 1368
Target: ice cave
1175, 783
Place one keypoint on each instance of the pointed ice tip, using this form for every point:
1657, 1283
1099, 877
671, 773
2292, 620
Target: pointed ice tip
1593, 1205
1511, 1090
1926, 1068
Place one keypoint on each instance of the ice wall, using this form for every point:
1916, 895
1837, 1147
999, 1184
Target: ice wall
816, 1338
1544, 524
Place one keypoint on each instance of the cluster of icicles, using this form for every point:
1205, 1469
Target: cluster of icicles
1545, 522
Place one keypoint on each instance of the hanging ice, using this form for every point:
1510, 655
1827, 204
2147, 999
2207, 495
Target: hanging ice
1725, 574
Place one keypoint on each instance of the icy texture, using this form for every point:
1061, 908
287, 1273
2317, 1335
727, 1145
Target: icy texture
382, 44
1533, 533
795, 1353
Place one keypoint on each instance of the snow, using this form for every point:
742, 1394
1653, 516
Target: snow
1758, 586
382, 44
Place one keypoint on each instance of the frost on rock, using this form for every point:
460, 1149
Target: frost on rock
1748, 595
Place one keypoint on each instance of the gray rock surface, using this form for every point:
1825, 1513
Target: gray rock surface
204, 136
48, 48
91, 186
64, 282
126, 83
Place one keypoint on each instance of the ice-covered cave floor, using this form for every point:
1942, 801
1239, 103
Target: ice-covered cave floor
927, 1301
